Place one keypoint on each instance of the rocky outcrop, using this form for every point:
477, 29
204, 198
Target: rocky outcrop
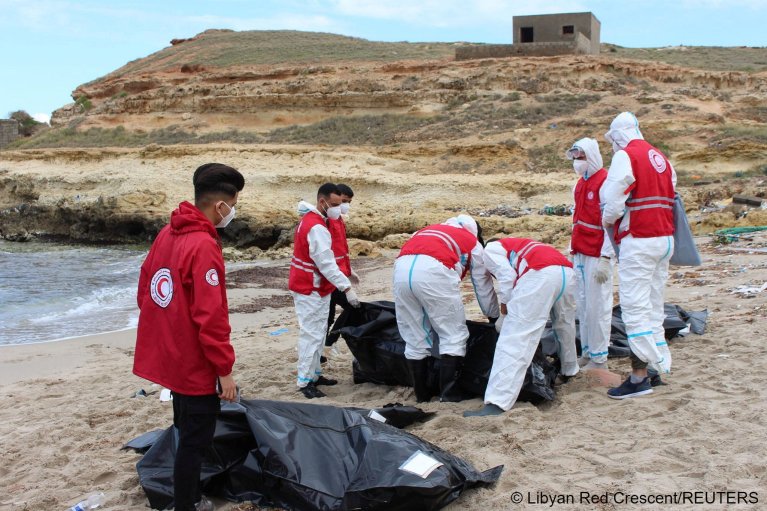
333, 89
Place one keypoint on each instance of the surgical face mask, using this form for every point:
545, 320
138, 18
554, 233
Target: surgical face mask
225, 219
344, 208
581, 167
332, 212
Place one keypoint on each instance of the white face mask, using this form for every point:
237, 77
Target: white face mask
226, 219
581, 167
344, 208
333, 213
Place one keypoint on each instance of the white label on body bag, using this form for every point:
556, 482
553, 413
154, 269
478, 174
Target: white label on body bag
420, 464
376, 416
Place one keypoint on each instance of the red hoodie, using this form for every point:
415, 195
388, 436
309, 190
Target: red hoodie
183, 328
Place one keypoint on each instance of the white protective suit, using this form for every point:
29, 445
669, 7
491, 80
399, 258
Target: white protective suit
642, 262
312, 309
530, 301
427, 296
595, 300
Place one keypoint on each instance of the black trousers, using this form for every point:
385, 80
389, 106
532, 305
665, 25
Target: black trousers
337, 298
195, 419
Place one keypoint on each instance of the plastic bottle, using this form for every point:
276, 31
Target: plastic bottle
92, 502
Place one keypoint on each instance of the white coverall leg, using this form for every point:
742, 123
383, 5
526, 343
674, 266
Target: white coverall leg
643, 271
537, 295
312, 314
427, 295
563, 323
595, 308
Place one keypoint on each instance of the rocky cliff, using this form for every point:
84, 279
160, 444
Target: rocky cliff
417, 134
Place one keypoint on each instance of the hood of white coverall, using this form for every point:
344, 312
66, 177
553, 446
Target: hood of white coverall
464, 221
623, 129
305, 207
591, 148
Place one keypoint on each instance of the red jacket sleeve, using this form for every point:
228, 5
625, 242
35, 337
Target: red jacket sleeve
209, 308
142, 284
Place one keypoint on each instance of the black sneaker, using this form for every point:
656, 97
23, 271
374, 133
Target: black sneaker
311, 391
325, 381
628, 389
655, 380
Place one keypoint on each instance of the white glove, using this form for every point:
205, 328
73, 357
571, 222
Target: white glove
603, 271
354, 278
499, 323
351, 297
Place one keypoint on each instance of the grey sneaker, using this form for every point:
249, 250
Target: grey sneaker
204, 505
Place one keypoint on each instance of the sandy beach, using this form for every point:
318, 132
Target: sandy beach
66, 407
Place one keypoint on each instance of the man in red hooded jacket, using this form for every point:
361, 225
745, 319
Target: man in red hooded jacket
182, 341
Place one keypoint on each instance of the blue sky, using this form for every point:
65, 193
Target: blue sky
49, 47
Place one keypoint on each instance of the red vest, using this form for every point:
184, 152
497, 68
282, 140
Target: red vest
445, 243
588, 234
304, 276
340, 246
526, 254
651, 203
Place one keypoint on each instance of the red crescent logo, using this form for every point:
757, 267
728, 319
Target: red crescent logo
212, 277
657, 161
161, 287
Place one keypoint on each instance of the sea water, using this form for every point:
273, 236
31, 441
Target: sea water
50, 291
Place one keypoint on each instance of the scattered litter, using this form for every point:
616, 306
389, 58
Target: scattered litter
144, 393
165, 395
279, 332
503, 210
749, 291
712, 207
733, 234
561, 210
747, 250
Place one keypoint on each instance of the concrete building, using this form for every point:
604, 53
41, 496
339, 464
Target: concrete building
560, 29
543, 35
9, 131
